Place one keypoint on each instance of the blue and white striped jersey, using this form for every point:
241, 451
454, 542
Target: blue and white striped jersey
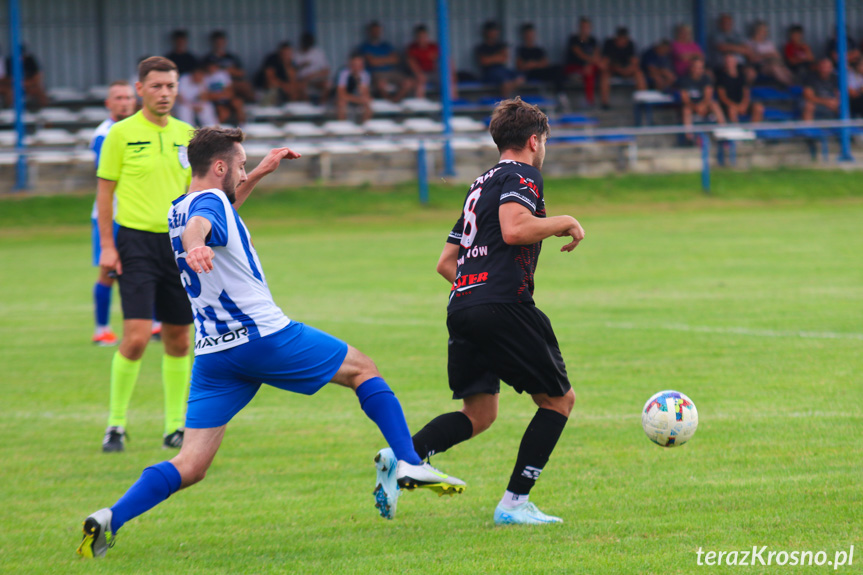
96, 142
232, 304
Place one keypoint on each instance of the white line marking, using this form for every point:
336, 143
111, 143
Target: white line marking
740, 331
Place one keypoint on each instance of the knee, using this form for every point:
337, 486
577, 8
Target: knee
190, 472
480, 419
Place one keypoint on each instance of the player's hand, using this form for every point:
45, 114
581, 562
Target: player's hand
576, 232
269, 164
109, 261
200, 259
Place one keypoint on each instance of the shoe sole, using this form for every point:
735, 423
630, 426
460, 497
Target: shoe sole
440, 488
382, 501
91, 531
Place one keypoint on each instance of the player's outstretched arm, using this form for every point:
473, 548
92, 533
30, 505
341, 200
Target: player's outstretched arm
199, 255
520, 227
267, 166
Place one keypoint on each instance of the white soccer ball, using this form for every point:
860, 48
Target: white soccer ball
669, 418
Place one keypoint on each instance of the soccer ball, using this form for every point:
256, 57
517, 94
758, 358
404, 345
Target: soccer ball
669, 418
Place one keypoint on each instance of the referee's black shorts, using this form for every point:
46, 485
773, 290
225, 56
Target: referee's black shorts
150, 282
512, 342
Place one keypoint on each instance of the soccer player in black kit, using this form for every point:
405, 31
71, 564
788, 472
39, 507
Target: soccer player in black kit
495, 329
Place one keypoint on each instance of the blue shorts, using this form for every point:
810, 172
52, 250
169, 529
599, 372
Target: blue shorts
97, 242
298, 358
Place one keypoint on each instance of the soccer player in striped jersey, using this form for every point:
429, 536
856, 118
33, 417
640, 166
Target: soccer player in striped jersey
120, 104
242, 339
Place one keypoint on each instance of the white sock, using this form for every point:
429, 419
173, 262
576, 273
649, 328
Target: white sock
511, 500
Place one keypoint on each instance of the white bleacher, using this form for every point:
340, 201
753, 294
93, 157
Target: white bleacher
304, 148
342, 128
303, 110
420, 105
8, 138
264, 112
466, 124
84, 135
93, 114
378, 146
57, 116
98, 92
423, 125
263, 131
7, 159
383, 127
337, 147
50, 157
8, 117
61, 95
302, 130
385, 107
54, 137
84, 156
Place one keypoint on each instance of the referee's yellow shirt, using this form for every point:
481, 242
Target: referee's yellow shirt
151, 167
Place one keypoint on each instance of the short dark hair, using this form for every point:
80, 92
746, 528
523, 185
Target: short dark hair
307, 40
514, 121
285, 44
211, 144
527, 26
584, 19
621, 31
420, 28
179, 33
155, 64
218, 35
118, 83
795, 28
490, 25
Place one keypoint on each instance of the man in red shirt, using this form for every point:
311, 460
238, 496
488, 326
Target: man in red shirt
798, 54
422, 57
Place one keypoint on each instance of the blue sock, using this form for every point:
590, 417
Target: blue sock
381, 405
156, 484
102, 299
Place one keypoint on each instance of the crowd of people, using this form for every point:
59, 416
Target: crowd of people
216, 87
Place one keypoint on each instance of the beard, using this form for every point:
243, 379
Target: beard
229, 187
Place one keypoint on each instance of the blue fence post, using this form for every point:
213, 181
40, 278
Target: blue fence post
705, 162
18, 94
699, 23
445, 79
310, 20
842, 49
422, 174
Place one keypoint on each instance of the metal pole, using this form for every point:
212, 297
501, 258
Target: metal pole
18, 94
309, 17
842, 49
422, 174
445, 79
705, 163
699, 23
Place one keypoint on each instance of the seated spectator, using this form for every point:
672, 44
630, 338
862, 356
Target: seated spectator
384, 65
583, 57
620, 60
221, 92
34, 88
231, 63
684, 50
821, 93
492, 56
727, 40
313, 68
766, 57
798, 54
696, 95
532, 61
734, 93
179, 54
278, 77
422, 59
833, 50
657, 66
353, 88
855, 90
194, 104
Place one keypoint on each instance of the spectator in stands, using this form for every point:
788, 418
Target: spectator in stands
221, 90
684, 50
855, 89
798, 54
194, 102
621, 60
696, 95
727, 40
313, 68
422, 59
384, 64
353, 88
34, 88
734, 93
278, 77
179, 54
532, 61
492, 56
821, 93
583, 57
658, 67
765, 56
231, 63
833, 50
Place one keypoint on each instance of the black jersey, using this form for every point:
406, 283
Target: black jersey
489, 269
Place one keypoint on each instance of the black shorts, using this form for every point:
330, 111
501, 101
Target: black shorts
150, 282
512, 342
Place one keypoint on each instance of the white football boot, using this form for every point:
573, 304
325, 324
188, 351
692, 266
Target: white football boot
97, 534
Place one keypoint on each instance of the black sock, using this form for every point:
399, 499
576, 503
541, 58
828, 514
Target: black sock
536, 446
441, 433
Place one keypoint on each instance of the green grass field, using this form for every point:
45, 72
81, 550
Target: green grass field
749, 301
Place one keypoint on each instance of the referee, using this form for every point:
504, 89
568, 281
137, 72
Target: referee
145, 163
